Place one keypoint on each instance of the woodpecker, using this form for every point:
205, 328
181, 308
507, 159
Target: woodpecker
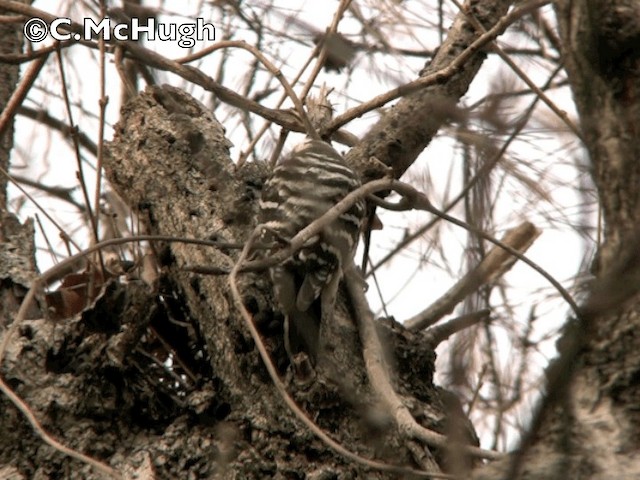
302, 187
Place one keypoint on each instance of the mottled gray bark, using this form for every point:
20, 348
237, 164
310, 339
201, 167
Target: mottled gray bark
590, 425
10, 44
170, 160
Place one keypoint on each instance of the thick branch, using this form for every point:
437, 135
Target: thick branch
406, 129
602, 55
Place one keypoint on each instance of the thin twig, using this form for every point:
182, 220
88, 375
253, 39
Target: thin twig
76, 147
275, 154
43, 232
44, 117
18, 58
61, 193
63, 233
102, 104
342, 7
127, 85
525, 8
270, 67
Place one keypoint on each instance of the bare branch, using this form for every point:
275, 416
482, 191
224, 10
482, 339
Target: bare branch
269, 66
525, 78
20, 93
438, 334
193, 75
404, 131
494, 265
379, 376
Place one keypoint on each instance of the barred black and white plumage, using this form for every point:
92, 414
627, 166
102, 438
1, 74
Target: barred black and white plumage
304, 186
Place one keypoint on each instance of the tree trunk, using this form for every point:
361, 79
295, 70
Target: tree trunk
184, 184
591, 428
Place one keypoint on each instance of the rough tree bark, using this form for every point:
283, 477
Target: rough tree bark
17, 249
182, 181
591, 428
